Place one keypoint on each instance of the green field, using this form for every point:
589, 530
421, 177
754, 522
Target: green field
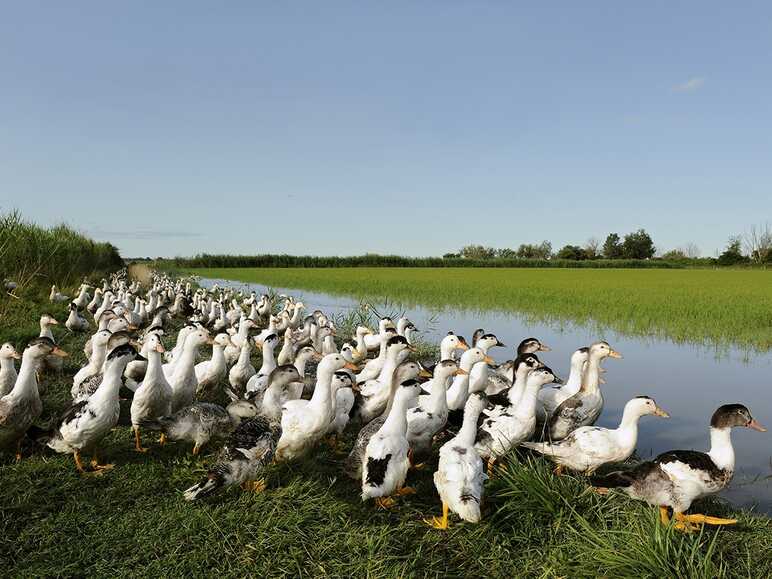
311, 522
717, 307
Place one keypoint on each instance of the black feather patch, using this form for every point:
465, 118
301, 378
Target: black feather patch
694, 459
376, 470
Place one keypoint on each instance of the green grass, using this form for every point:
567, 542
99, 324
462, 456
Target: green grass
717, 307
311, 521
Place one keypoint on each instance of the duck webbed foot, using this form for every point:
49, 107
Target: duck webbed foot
255, 486
405, 491
439, 523
385, 503
491, 465
138, 442
698, 519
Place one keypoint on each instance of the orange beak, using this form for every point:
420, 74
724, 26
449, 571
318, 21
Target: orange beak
57, 351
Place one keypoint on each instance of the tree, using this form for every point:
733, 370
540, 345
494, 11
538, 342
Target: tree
692, 251
733, 253
612, 248
506, 253
451, 255
572, 252
592, 248
758, 243
544, 250
477, 252
674, 255
531, 251
638, 245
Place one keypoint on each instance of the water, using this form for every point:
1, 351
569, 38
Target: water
688, 381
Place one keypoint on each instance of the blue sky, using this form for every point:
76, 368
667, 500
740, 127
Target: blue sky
171, 128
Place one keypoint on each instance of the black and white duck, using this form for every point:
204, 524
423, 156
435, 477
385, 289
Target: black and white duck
674, 479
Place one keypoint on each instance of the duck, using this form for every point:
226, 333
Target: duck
584, 407
675, 479
341, 387
175, 352
153, 397
89, 385
589, 447
360, 352
96, 360
8, 372
278, 390
373, 366
182, 374
82, 300
22, 405
460, 474
374, 394
479, 375
549, 399
305, 422
459, 389
373, 341
241, 372
135, 371
84, 424
408, 370
386, 462
431, 414
499, 434
96, 301
210, 373
75, 322
257, 383
200, 422
306, 383
56, 296
286, 354
249, 449
51, 362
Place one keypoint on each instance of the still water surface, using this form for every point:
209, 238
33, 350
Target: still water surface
688, 381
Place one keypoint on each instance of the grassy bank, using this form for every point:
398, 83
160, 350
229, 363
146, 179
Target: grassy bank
706, 306
311, 521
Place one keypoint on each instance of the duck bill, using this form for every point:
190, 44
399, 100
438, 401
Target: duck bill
501, 344
412, 349
424, 373
661, 413
160, 349
756, 426
317, 356
460, 372
351, 367
59, 352
614, 354
557, 380
53, 322
462, 345
489, 360
544, 348
16, 356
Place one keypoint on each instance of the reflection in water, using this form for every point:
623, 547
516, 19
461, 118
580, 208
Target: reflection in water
690, 382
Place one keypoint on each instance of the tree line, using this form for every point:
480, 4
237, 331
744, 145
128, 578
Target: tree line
753, 247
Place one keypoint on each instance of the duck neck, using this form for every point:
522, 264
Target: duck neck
7, 365
721, 449
154, 370
468, 432
361, 347
272, 401
630, 418
321, 396
269, 360
45, 332
244, 354
438, 399
526, 408
574, 380
518, 387
300, 365
187, 361
111, 383
389, 366
396, 419
218, 355
591, 377
26, 381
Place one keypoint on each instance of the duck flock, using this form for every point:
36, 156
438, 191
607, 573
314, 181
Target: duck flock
308, 391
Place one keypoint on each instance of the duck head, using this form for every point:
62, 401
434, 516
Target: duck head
734, 415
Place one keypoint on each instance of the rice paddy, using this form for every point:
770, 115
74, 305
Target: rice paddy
715, 307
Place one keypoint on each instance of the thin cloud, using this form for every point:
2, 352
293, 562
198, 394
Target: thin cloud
690, 85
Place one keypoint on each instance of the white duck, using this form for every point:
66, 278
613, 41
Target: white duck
85, 423
386, 462
431, 414
374, 394
75, 322
96, 361
153, 397
499, 434
52, 362
304, 422
241, 372
459, 389
589, 447
182, 374
56, 296
584, 407
257, 383
373, 367
550, 398
210, 373
373, 341
460, 473
22, 405
8, 372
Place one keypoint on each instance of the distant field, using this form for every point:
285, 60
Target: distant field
705, 306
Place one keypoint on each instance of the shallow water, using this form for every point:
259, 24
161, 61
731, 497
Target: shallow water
688, 381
